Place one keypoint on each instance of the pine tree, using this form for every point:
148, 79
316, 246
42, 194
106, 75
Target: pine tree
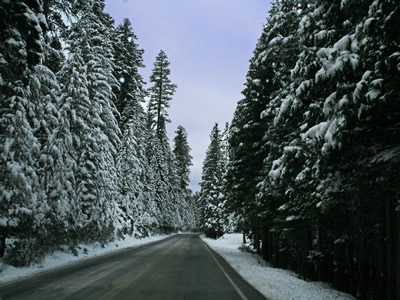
128, 58
183, 161
230, 217
160, 159
254, 140
131, 168
137, 206
211, 193
22, 25
322, 136
88, 102
161, 92
183, 158
153, 179
53, 163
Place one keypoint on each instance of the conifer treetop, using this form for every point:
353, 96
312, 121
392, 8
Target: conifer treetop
161, 92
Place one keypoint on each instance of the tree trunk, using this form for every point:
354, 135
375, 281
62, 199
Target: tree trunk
257, 239
339, 280
2, 245
265, 244
275, 250
364, 270
390, 260
381, 260
350, 268
398, 255
244, 237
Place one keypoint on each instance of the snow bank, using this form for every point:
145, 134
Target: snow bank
275, 284
60, 258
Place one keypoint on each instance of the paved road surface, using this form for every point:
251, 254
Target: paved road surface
179, 267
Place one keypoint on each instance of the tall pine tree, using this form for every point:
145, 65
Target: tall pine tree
161, 92
211, 193
183, 161
22, 26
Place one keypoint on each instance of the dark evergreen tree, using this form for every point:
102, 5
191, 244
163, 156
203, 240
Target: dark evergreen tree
22, 25
183, 161
161, 92
128, 58
252, 135
316, 203
88, 100
183, 158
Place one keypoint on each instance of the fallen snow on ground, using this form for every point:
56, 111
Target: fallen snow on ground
60, 258
273, 283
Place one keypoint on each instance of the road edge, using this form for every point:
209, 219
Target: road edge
18, 278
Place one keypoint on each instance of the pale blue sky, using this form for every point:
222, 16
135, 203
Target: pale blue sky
209, 44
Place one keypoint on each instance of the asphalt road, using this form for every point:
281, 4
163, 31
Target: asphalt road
178, 267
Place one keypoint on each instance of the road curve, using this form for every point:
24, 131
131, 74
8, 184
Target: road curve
178, 267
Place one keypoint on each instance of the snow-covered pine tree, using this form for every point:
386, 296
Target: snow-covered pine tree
230, 217
152, 188
285, 155
183, 158
327, 142
254, 141
51, 166
88, 100
183, 161
128, 58
353, 130
136, 208
161, 92
159, 156
137, 205
211, 193
75, 110
22, 25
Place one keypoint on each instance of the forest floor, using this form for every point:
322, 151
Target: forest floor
273, 283
63, 257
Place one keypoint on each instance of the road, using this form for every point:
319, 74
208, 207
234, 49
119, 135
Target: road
178, 267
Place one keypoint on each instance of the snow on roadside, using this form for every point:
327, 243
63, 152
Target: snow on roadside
61, 258
273, 283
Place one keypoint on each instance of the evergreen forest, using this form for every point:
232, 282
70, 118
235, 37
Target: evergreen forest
308, 169
310, 166
82, 158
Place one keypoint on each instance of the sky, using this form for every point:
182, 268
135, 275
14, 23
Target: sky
209, 44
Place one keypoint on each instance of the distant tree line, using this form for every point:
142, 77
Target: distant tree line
81, 159
314, 146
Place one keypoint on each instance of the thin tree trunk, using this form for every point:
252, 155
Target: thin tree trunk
381, 261
2, 244
390, 259
264, 239
398, 255
339, 265
257, 239
350, 267
275, 250
364, 270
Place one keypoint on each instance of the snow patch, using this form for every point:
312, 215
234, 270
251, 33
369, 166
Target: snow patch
273, 283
